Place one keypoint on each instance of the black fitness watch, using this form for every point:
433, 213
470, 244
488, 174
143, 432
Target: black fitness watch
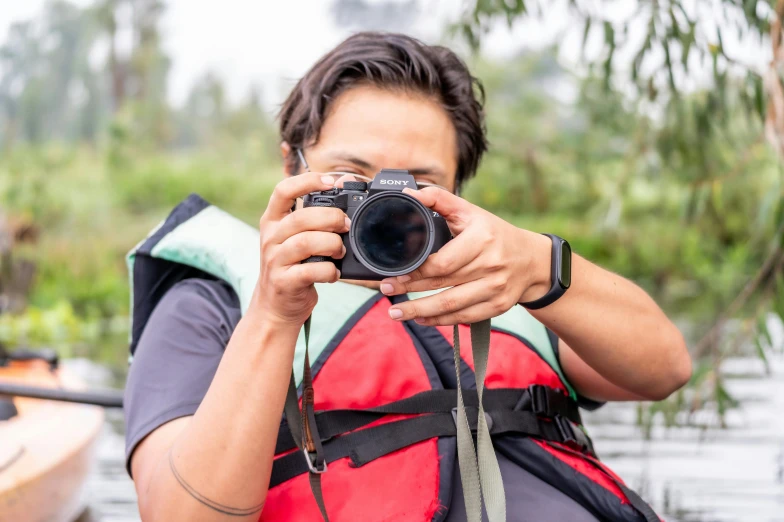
560, 273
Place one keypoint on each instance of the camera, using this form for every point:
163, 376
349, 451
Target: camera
391, 233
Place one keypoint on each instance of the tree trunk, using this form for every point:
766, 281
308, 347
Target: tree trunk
774, 120
115, 66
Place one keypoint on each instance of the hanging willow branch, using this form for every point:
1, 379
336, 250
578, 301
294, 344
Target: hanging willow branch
764, 275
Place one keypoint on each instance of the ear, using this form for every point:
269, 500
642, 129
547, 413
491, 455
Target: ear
285, 151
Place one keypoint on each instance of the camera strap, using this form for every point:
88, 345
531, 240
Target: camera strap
303, 427
479, 470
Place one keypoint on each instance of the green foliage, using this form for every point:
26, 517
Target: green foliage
690, 223
673, 189
92, 213
56, 326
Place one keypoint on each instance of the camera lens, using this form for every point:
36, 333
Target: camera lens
391, 233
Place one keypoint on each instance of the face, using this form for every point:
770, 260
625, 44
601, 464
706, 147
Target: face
368, 129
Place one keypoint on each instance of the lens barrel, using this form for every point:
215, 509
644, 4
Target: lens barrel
392, 233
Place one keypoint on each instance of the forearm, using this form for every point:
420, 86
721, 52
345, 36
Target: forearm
224, 454
617, 329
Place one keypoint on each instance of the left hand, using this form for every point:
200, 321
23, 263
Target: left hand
490, 264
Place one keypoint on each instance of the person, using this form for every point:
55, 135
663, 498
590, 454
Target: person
215, 336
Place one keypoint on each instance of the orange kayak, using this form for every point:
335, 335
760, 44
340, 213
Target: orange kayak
46, 449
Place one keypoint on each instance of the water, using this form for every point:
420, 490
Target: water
687, 473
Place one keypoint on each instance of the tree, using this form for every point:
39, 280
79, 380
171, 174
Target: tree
667, 41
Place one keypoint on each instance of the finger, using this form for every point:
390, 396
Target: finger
394, 287
287, 191
303, 245
454, 209
447, 267
472, 314
309, 273
449, 301
312, 218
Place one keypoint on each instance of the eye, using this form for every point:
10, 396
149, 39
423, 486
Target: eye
348, 170
426, 180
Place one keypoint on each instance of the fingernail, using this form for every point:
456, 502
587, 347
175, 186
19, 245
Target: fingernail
386, 288
348, 223
403, 278
338, 274
419, 321
395, 313
328, 180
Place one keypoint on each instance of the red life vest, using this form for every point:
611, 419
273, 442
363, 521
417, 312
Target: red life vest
384, 393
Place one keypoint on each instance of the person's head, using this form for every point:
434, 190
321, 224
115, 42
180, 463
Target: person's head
382, 100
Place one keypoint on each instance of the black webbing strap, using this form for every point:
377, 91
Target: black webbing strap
635, 500
541, 400
304, 429
366, 445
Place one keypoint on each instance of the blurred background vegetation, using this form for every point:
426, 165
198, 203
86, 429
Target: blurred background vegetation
673, 183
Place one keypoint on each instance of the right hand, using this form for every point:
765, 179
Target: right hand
284, 291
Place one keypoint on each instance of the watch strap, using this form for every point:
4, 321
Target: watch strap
556, 290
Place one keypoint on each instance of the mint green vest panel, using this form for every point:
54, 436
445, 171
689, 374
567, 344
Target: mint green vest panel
217, 243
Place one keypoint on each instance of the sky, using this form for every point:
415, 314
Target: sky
271, 43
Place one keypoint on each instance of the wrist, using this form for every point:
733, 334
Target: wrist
263, 319
537, 266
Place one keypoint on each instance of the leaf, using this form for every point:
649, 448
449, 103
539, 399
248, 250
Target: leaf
762, 328
668, 62
675, 29
724, 401
777, 305
640, 55
609, 40
762, 355
586, 32
759, 96
609, 34
686, 43
750, 9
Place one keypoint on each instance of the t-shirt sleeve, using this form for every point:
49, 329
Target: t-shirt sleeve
583, 402
177, 356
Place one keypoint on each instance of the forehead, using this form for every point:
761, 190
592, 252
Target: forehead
390, 129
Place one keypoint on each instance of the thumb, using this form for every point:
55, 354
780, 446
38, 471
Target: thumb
454, 209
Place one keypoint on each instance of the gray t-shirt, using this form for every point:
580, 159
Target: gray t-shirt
178, 355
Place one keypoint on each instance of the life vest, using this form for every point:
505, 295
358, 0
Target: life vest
385, 390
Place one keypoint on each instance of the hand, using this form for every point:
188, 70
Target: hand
491, 265
284, 291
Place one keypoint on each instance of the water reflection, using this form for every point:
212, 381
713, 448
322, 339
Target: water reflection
693, 474
689, 474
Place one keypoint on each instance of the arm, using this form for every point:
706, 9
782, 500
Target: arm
223, 452
616, 343
216, 464
619, 344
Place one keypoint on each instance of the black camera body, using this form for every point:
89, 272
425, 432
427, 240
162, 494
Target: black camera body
391, 233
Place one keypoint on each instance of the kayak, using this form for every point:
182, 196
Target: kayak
46, 448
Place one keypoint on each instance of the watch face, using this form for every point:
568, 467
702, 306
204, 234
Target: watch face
565, 277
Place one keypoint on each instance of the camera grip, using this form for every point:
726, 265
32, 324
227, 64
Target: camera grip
317, 259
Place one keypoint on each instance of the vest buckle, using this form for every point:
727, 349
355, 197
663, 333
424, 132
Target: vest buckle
473, 420
539, 403
571, 435
313, 464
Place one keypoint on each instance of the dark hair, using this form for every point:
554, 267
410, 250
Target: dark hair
389, 61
